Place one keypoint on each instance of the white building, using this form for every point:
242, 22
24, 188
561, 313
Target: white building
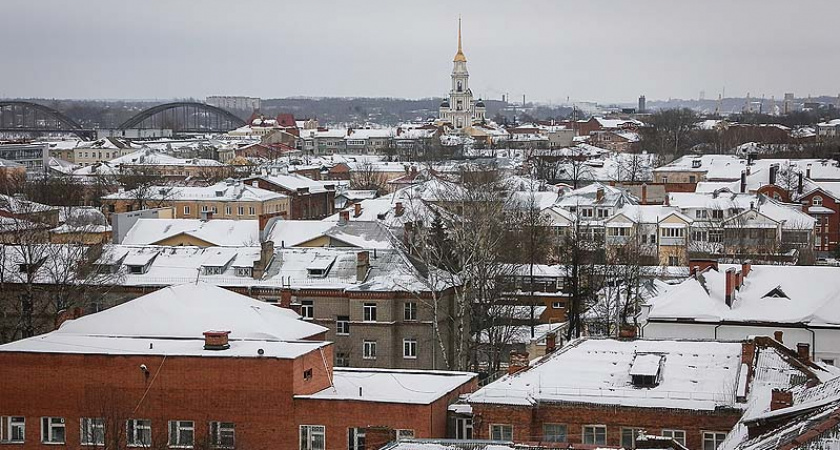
234, 102
459, 109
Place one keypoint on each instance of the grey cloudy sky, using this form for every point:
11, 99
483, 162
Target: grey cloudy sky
602, 50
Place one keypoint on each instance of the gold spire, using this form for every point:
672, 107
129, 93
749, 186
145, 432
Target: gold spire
459, 57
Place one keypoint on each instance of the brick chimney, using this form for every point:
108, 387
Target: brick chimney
550, 342
743, 182
343, 217
803, 352
799, 184
808, 172
748, 352
266, 253
518, 361
778, 335
730, 286
746, 267
644, 193
357, 209
362, 265
398, 209
216, 340
599, 194
286, 298
780, 399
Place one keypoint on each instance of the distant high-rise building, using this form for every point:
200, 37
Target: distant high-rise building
702, 95
234, 102
787, 106
459, 109
642, 106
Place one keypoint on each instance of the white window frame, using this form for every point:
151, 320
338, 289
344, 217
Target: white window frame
88, 429
307, 309
179, 427
594, 434
369, 312
9, 427
410, 311
252, 211
342, 325
369, 349
135, 430
308, 433
409, 348
677, 436
634, 432
463, 428
713, 437
553, 436
48, 427
498, 432
241, 210
186, 209
228, 211
218, 430
356, 438
817, 200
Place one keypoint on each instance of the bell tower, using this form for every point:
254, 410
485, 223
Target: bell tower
461, 107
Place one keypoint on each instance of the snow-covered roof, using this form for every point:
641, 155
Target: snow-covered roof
391, 385
216, 232
588, 196
294, 182
694, 375
292, 233
172, 320
803, 294
219, 192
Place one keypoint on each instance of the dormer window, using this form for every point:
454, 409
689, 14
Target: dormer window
696, 163
645, 371
777, 292
320, 267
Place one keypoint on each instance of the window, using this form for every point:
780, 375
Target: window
52, 430
92, 431
405, 434
677, 435
222, 435
817, 201
628, 437
828, 362
370, 312
556, 305
204, 208
138, 433
717, 214
342, 325
701, 214
228, 210
251, 211
307, 309
501, 432
603, 213
672, 232
356, 439
181, 433
619, 231
673, 260
692, 179
410, 348
186, 209
595, 435
342, 359
369, 350
553, 432
664, 180
307, 374
712, 439
463, 428
12, 429
312, 437
715, 236
410, 311
241, 210
586, 212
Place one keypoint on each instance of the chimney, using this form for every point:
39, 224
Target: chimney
414, 170
738, 280
746, 266
748, 352
749, 171
216, 340
398, 209
808, 172
778, 335
780, 399
743, 182
266, 253
550, 342
644, 193
803, 352
774, 169
362, 265
667, 199
206, 216
730, 286
599, 194
518, 361
357, 209
343, 217
799, 184
286, 298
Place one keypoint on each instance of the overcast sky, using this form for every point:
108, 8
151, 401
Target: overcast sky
549, 50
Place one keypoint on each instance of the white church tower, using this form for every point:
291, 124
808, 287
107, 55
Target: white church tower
460, 110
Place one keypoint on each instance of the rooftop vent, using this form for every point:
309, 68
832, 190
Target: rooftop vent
216, 340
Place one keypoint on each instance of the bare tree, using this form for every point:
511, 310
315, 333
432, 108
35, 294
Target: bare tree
366, 177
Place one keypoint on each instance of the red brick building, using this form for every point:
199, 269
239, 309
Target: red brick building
823, 204
140, 374
309, 199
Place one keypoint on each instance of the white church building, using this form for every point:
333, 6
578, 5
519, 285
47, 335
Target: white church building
460, 109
